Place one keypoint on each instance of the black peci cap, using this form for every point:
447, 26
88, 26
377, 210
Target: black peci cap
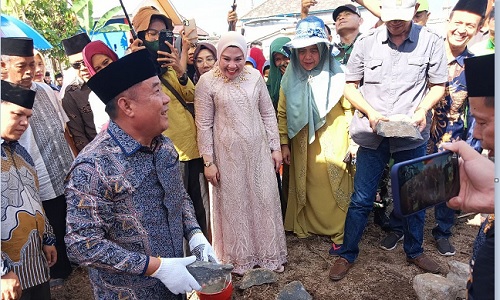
17, 46
121, 75
18, 95
480, 76
477, 7
76, 43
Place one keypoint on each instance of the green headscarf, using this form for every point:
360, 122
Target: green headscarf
310, 95
274, 79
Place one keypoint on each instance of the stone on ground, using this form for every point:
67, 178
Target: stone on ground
257, 277
294, 291
434, 287
459, 273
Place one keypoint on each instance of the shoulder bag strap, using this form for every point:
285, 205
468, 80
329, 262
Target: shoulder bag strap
177, 95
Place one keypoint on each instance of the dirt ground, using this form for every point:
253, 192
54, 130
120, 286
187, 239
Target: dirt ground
377, 274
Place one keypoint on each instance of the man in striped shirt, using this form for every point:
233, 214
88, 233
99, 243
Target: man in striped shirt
27, 239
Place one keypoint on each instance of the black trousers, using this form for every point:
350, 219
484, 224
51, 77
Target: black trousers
192, 170
55, 210
37, 292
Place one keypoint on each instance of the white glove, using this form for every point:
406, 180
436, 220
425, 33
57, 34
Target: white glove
199, 246
174, 275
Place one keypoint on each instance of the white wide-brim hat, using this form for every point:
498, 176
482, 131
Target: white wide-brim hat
309, 31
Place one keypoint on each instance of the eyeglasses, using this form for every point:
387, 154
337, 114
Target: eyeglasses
209, 60
153, 33
77, 64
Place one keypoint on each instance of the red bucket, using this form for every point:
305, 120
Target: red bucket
215, 292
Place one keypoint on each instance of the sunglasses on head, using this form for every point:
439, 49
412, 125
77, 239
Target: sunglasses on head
77, 64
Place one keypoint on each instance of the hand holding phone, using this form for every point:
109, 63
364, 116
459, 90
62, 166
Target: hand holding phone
190, 30
477, 180
166, 36
423, 182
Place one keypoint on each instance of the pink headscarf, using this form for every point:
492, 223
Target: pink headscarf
93, 48
259, 58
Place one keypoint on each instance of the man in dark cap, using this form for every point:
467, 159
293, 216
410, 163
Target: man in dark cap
480, 75
148, 22
347, 20
45, 140
76, 95
48, 80
451, 120
59, 80
128, 211
27, 238
476, 175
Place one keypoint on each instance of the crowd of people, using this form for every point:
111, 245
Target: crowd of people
143, 164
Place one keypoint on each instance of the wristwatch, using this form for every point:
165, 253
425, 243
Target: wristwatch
208, 163
183, 79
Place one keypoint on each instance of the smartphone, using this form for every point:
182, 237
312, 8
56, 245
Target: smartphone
166, 35
188, 26
423, 182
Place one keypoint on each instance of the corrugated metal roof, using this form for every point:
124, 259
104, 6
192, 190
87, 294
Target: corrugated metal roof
272, 8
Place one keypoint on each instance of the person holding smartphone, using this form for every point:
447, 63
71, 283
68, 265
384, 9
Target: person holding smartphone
477, 184
149, 23
188, 40
451, 120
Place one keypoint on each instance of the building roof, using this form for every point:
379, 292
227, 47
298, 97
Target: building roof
272, 8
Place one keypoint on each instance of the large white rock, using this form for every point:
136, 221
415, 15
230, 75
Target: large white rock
434, 287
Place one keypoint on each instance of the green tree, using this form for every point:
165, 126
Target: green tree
52, 19
84, 11
57, 20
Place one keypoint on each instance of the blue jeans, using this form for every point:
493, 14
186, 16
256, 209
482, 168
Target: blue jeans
369, 167
445, 218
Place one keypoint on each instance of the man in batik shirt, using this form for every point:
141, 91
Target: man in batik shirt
27, 239
128, 211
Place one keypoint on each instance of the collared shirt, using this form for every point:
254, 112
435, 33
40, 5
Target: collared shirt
181, 129
81, 119
126, 202
452, 119
24, 224
395, 79
345, 51
44, 140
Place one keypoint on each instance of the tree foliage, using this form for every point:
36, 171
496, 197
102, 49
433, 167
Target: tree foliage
83, 10
58, 20
52, 19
